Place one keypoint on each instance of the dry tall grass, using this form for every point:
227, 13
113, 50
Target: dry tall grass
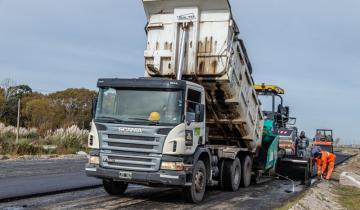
66, 140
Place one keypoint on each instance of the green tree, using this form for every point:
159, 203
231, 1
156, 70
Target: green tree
41, 114
18, 91
10, 106
25, 117
47, 112
77, 105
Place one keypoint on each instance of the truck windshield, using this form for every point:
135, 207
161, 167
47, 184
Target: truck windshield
139, 106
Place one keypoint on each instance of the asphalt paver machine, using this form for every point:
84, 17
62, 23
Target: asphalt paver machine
277, 116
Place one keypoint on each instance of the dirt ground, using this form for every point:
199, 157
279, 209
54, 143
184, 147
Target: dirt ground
324, 194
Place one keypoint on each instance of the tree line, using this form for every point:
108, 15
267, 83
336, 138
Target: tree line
46, 111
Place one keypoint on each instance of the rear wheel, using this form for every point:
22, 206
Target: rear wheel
114, 187
231, 174
246, 164
195, 193
221, 174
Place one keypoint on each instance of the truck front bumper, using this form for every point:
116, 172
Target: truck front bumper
162, 177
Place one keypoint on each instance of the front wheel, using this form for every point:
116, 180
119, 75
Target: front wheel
114, 188
195, 193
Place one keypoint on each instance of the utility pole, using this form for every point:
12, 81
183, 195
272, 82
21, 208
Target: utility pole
18, 122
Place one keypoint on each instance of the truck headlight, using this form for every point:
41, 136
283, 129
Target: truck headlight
94, 160
173, 166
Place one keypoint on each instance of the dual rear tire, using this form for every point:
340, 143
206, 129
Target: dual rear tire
231, 175
235, 173
246, 163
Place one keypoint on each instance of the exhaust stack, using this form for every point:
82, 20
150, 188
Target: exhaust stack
182, 51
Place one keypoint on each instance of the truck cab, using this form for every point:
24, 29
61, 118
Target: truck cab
140, 124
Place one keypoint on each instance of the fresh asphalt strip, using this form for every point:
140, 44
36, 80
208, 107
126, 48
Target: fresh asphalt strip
341, 158
16, 188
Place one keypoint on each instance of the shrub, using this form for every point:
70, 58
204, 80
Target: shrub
6, 146
24, 147
68, 140
9, 132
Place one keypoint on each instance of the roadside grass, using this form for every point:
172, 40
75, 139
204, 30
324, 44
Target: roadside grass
349, 197
24, 147
37, 147
61, 141
292, 202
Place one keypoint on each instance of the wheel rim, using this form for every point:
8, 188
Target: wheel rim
199, 181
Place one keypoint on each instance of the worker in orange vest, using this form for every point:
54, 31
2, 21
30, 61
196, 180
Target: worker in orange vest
325, 163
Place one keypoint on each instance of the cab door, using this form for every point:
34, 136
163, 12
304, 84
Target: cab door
194, 119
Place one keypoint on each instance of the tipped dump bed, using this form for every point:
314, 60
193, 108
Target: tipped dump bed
215, 57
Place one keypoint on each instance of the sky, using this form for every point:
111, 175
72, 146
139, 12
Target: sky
309, 48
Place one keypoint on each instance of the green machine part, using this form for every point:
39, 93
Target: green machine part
269, 148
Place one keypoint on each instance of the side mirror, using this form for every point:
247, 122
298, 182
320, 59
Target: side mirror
93, 108
199, 112
292, 121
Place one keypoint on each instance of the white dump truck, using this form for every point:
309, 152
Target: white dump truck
194, 120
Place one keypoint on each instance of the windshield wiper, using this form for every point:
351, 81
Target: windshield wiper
111, 119
145, 120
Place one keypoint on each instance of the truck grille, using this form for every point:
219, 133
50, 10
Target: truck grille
134, 153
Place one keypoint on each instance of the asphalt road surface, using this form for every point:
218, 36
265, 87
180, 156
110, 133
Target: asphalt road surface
35, 177
340, 158
22, 178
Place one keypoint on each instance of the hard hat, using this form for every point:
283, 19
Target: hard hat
315, 151
316, 154
302, 134
154, 116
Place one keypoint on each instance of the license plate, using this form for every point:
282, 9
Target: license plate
125, 175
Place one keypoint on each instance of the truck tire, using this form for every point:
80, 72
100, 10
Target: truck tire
195, 193
246, 164
232, 174
114, 188
221, 174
